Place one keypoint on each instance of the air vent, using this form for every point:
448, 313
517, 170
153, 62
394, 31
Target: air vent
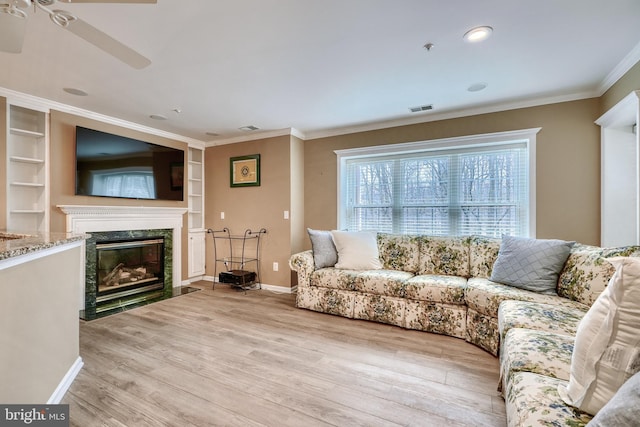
248, 128
421, 108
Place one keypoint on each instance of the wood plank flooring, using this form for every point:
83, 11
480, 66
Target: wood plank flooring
222, 357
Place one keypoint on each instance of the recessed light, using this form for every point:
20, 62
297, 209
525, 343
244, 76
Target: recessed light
249, 128
477, 87
477, 34
74, 91
212, 134
158, 117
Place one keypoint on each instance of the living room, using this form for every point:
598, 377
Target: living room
298, 168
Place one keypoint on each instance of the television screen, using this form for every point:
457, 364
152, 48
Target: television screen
109, 165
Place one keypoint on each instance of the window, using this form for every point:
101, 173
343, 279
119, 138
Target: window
471, 185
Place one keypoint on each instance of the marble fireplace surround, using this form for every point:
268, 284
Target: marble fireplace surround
89, 218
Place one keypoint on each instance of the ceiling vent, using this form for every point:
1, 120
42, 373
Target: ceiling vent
248, 128
421, 108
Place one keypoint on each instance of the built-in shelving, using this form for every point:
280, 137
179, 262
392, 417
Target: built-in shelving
27, 170
195, 194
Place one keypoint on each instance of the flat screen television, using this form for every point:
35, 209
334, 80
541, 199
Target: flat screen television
109, 165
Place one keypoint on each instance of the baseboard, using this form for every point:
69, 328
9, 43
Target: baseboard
66, 382
265, 286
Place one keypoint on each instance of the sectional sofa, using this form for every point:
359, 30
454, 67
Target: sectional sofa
442, 285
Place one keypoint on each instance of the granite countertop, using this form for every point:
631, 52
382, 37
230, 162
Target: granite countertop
14, 244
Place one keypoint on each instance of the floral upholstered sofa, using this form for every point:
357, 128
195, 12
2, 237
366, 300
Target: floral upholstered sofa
441, 285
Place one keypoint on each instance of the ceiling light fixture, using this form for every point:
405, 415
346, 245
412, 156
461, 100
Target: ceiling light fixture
158, 117
74, 91
249, 128
211, 134
477, 34
477, 87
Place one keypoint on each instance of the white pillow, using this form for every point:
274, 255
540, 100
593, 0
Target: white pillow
357, 250
607, 348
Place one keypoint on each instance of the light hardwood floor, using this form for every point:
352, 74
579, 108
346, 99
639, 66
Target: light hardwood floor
222, 357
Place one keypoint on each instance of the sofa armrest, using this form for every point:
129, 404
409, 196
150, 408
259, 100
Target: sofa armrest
304, 265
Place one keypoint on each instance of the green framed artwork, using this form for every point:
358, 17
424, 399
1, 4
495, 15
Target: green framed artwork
244, 171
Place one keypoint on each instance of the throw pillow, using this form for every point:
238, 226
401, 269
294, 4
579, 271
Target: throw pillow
623, 410
607, 346
357, 250
531, 264
324, 251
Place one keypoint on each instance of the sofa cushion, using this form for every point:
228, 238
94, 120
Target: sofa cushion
399, 252
334, 278
532, 400
587, 272
531, 264
607, 349
324, 250
485, 296
483, 252
444, 255
541, 317
382, 282
357, 250
540, 352
436, 288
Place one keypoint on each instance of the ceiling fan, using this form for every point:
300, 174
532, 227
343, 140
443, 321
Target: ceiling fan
13, 24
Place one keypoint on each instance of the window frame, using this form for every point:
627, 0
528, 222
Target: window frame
526, 136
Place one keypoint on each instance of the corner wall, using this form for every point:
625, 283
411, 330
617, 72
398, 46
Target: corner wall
257, 207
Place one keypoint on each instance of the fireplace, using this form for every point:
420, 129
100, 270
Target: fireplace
129, 269
126, 269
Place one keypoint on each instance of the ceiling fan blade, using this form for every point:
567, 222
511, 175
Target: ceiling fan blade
110, 1
12, 31
107, 43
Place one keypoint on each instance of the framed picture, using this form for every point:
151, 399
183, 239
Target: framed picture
177, 176
245, 171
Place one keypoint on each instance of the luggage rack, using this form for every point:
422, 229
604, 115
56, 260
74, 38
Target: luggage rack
237, 269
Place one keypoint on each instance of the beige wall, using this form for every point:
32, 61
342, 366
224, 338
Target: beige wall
253, 207
39, 340
567, 164
62, 141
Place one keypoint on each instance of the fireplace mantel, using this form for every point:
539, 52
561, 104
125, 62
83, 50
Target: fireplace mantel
88, 218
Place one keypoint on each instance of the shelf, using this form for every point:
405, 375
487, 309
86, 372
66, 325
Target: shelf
25, 132
27, 184
195, 180
26, 160
194, 162
27, 211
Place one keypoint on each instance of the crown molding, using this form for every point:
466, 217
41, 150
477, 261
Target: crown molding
631, 59
43, 104
253, 136
453, 114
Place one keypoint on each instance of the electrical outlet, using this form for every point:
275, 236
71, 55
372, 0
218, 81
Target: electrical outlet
221, 215
275, 266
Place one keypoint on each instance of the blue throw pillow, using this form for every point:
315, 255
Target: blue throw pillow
324, 250
530, 264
